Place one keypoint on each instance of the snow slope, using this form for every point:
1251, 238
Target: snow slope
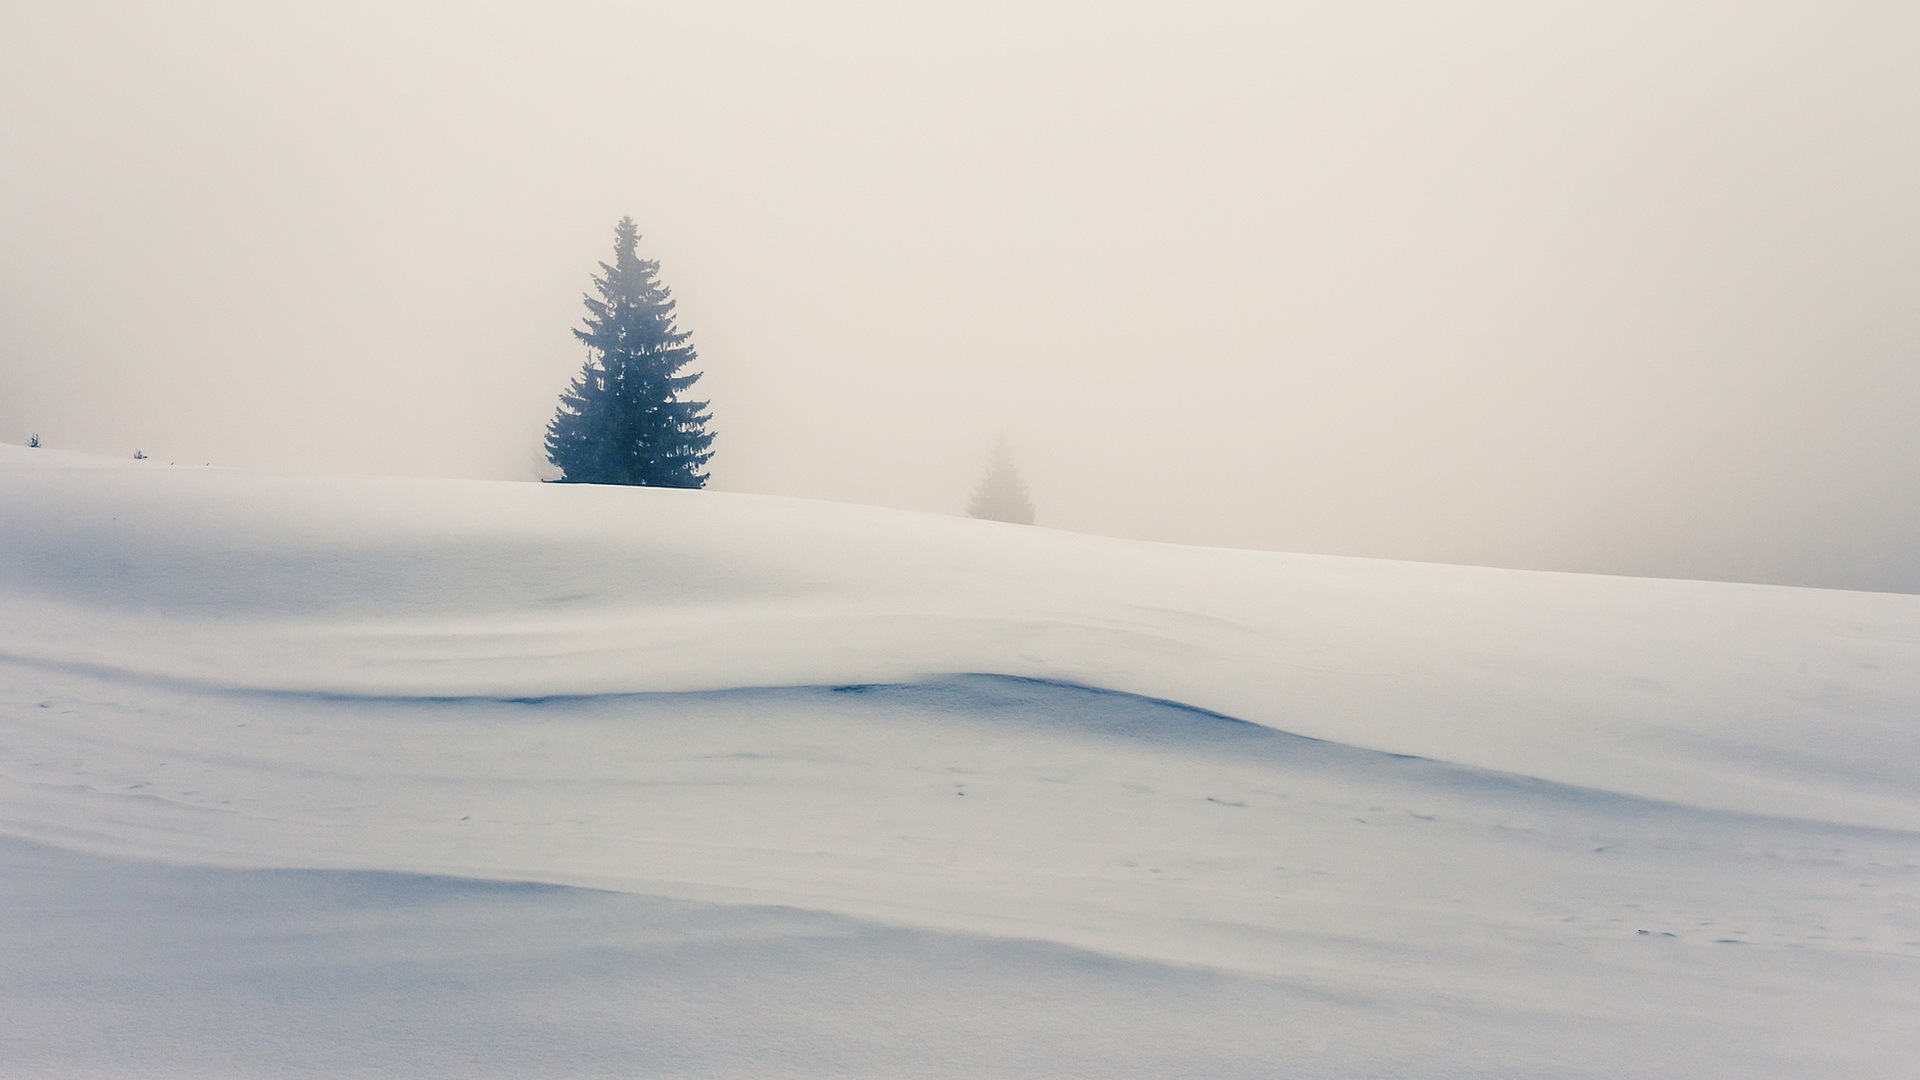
814, 789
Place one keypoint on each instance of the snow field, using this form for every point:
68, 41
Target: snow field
922, 796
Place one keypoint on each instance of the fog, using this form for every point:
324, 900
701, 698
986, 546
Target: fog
1622, 287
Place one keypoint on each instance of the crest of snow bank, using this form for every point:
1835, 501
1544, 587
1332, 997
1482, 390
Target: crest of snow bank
1752, 698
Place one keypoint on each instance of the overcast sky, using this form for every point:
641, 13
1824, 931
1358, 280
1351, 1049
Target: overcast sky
1622, 287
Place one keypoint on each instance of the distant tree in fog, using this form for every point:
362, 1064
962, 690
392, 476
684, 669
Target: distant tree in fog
624, 421
1002, 495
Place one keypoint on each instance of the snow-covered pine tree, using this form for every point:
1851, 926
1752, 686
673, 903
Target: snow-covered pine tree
623, 421
1002, 495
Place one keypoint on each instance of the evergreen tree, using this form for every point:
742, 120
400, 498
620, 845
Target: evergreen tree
623, 421
1002, 495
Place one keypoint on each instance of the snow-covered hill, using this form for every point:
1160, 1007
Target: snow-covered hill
795, 788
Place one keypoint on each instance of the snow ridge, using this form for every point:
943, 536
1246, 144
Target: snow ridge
1442, 820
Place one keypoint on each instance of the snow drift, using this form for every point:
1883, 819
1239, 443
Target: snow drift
1311, 815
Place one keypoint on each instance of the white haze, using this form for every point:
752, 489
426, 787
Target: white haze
1625, 287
